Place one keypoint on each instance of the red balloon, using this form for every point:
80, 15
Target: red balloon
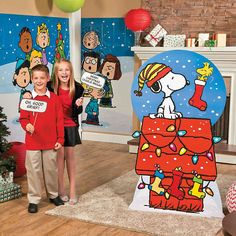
137, 19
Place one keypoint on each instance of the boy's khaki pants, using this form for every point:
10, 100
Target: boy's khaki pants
41, 164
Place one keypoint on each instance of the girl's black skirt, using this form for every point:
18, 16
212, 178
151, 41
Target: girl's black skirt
72, 137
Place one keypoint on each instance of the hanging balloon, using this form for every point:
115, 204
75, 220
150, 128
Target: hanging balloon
137, 19
69, 5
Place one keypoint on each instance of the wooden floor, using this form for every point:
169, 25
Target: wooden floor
97, 163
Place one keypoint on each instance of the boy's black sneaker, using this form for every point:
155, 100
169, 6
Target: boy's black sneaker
33, 208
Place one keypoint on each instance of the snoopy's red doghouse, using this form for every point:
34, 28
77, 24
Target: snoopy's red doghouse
179, 157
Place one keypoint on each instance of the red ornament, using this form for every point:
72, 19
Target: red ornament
18, 150
137, 19
58, 56
231, 198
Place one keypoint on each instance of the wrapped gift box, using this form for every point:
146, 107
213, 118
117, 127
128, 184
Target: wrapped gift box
156, 35
190, 42
221, 40
178, 155
210, 43
6, 178
9, 192
202, 37
174, 40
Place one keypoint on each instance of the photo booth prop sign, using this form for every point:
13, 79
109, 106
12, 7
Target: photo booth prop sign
178, 95
93, 80
33, 105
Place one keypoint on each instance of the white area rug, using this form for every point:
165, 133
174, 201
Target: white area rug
108, 205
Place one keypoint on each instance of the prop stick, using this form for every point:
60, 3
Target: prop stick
33, 106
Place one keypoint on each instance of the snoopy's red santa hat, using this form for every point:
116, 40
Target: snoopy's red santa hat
151, 74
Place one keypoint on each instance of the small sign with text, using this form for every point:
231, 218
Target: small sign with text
33, 105
93, 80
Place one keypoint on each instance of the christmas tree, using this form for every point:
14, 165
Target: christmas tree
59, 50
7, 163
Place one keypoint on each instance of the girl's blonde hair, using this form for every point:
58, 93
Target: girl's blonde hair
56, 81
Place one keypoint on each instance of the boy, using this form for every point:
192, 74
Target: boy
44, 136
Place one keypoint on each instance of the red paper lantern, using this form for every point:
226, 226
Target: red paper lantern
137, 19
18, 150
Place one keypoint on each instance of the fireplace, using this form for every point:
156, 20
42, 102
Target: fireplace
225, 60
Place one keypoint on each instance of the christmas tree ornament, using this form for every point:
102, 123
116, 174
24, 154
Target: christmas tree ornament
216, 139
170, 128
173, 147
231, 198
145, 146
195, 159
182, 151
69, 5
136, 134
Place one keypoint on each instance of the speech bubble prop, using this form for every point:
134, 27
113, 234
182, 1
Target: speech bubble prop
93, 80
33, 105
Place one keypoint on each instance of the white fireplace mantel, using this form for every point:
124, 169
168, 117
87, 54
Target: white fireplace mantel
225, 60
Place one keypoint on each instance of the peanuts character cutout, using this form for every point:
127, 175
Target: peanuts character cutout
43, 40
21, 78
111, 70
92, 108
160, 78
25, 42
91, 40
200, 83
91, 62
35, 58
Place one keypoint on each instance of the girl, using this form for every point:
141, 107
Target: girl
70, 93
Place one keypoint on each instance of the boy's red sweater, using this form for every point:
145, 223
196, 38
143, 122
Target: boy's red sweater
49, 126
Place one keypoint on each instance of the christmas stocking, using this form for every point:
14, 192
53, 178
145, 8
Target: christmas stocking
196, 100
174, 189
155, 186
194, 191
